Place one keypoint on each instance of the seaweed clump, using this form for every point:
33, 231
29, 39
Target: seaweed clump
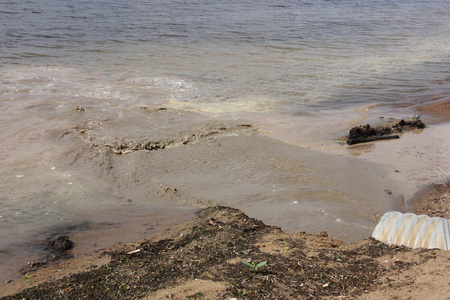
367, 133
300, 266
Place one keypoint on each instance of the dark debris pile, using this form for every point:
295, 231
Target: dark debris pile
367, 133
213, 250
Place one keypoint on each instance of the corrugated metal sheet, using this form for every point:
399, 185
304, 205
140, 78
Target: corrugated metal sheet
413, 231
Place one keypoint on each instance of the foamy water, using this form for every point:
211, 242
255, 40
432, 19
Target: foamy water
303, 72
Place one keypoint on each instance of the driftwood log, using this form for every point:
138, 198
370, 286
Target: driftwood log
371, 139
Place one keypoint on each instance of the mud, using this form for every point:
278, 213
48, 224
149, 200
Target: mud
101, 136
227, 163
132, 172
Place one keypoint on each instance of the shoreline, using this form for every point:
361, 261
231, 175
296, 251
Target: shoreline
424, 202
390, 276
433, 201
438, 111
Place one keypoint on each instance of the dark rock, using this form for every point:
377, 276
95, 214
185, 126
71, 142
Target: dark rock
62, 243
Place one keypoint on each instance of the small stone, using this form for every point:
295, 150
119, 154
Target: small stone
62, 243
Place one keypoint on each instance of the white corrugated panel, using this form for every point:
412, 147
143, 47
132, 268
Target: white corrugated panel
413, 231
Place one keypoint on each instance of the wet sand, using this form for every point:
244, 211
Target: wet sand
433, 201
226, 140
438, 111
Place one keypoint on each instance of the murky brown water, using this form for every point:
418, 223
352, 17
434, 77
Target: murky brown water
173, 88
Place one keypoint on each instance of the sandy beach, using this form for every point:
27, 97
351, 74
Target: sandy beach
439, 111
202, 258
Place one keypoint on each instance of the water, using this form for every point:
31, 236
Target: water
76, 75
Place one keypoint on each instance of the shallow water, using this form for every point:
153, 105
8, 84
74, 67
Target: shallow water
76, 77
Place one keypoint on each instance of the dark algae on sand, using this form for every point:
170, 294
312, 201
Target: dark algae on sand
302, 266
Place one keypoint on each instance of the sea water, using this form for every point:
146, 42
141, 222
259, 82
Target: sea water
302, 72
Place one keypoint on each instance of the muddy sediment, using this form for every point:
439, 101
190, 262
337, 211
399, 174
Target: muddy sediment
139, 179
224, 163
228, 163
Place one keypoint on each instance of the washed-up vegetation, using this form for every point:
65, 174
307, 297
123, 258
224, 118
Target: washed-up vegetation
276, 265
367, 133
